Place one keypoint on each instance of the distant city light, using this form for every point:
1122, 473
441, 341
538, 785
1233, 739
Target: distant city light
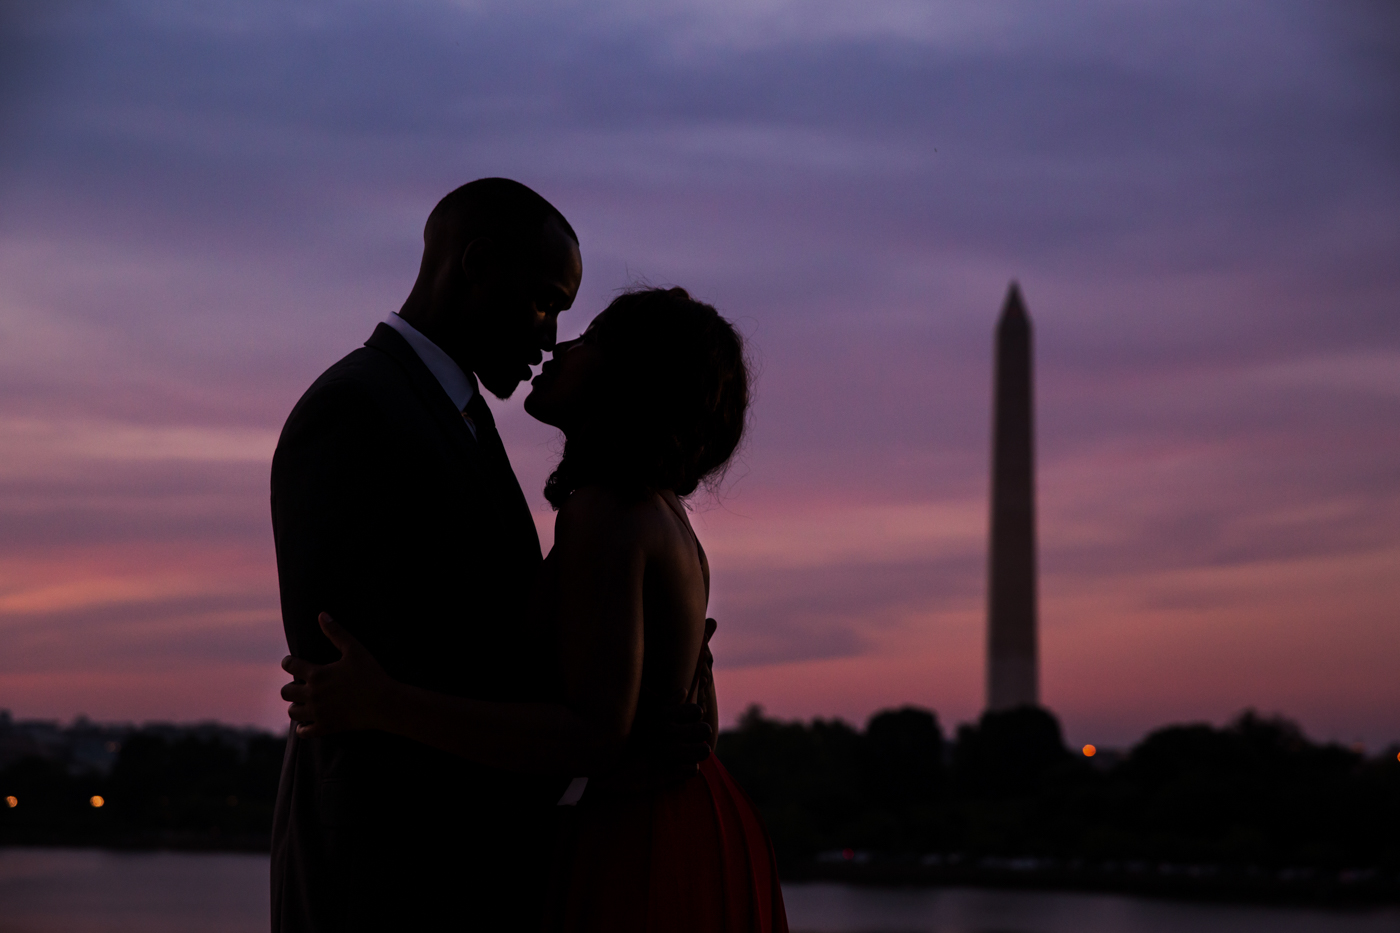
96, 801
11, 801
1089, 751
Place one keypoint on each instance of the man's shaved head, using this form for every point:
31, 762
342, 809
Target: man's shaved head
498, 209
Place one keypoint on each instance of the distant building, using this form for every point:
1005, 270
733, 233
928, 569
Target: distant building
83, 746
88, 746
1013, 675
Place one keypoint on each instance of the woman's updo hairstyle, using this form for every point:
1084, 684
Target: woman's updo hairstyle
669, 405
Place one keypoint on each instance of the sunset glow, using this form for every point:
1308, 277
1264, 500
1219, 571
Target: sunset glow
1203, 228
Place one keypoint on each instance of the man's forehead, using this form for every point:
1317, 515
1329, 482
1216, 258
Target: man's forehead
557, 256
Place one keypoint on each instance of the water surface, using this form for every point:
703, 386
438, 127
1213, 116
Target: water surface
93, 891
834, 908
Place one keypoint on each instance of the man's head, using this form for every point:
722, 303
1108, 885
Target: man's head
499, 264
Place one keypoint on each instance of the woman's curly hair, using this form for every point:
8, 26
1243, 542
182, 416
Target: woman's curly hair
669, 409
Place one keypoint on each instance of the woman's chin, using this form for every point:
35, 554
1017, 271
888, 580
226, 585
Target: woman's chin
538, 408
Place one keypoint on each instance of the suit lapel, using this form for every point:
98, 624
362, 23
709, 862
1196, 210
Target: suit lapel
506, 497
429, 391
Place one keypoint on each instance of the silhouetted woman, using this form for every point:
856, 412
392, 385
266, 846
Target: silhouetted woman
652, 401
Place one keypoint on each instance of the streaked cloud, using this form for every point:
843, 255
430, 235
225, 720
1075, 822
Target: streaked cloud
42, 442
819, 535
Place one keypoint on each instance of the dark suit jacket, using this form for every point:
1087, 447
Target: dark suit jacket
388, 515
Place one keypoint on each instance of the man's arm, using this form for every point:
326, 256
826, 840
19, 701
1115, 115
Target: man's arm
600, 593
601, 617
708, 699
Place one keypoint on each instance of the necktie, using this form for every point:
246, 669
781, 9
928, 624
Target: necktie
493, 452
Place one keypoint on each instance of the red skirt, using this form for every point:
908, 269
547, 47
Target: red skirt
691, 859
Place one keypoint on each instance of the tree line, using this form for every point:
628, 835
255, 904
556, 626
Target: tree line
1255, 792
167, 788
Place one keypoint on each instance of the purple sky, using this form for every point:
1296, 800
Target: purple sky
202, 205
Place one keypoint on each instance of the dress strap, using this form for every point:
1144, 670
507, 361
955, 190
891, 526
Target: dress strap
699, 548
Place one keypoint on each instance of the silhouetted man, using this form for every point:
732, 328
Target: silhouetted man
395, 509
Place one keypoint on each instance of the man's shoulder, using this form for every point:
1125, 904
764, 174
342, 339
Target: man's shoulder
365, 367
364, 389
365, 377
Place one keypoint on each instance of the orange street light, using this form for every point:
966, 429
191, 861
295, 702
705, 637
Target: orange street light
96, 801
12, 801
1089, 751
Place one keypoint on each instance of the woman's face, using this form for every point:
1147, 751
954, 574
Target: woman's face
561, 393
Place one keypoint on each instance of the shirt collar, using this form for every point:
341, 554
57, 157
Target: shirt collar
459, 386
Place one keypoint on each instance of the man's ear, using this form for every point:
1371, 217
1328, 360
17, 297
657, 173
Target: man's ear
477, 257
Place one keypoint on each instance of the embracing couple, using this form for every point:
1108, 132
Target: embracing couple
485, 739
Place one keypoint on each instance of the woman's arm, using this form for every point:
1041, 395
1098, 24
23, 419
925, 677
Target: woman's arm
601, 549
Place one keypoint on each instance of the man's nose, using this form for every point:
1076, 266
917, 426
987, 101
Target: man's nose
547, 331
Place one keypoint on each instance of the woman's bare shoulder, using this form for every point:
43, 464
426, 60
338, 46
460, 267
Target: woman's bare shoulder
597, 509
591, 511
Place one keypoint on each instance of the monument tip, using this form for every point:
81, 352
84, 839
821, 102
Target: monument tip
1014, 306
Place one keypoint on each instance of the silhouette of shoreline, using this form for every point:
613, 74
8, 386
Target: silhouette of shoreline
1252, 811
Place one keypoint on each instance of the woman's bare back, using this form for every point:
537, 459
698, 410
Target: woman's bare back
627, 585
676, 591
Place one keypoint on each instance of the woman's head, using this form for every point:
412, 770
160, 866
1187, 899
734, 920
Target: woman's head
652, 396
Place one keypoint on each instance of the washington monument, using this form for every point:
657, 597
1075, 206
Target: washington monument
1013, 677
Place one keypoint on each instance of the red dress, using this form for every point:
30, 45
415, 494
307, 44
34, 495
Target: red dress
690, 859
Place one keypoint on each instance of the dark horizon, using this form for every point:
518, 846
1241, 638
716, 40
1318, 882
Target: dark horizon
1252, 811
81, 722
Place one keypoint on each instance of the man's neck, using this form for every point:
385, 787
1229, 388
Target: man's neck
456, 382
422, 313
417, 310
